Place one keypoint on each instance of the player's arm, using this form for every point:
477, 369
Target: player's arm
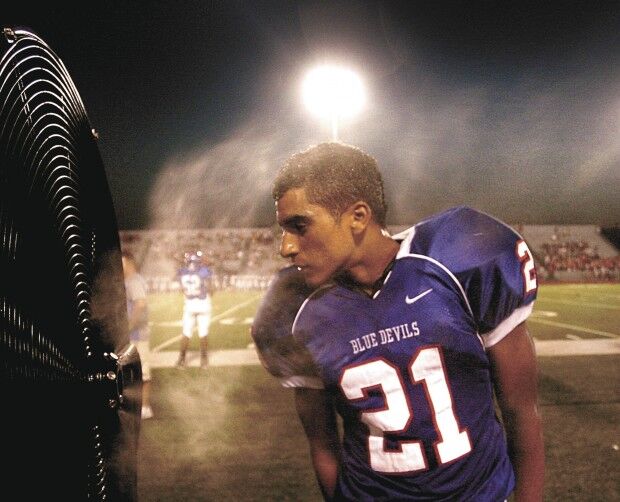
515, 374
318, 419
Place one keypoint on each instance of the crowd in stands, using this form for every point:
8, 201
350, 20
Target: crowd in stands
230, 251
562, 254
239, 258
246, 258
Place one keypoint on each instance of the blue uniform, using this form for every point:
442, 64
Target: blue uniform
408, 369
194, 281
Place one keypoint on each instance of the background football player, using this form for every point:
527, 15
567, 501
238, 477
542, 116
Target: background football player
136, 292
195, 279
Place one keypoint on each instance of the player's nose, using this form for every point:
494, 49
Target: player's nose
289, 246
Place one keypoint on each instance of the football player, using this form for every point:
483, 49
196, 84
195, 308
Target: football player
136, 293
408, 338
195, 279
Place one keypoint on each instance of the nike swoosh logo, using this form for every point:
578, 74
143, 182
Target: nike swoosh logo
409, 301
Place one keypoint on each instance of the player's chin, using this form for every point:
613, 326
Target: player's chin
314, 277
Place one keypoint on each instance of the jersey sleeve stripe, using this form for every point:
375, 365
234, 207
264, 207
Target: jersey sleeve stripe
507, 325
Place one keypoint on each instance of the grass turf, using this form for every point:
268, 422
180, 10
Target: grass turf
231, 432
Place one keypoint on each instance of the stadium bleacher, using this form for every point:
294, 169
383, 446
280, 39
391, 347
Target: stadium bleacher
240, 258
246, 258
572, 252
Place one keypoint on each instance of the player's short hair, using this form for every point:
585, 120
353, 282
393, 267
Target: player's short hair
334, 175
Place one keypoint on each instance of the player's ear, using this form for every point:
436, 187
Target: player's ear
360, 214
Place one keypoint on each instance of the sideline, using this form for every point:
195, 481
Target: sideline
591, 347
244, 357
231, 357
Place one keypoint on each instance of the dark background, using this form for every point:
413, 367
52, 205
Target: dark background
511, 107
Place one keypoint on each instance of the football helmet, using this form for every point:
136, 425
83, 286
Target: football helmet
193, 259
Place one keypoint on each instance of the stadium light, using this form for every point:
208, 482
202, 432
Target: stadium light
333, 93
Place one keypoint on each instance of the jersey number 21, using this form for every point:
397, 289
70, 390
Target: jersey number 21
425, 368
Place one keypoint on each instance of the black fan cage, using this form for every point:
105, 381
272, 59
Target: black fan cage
70, 379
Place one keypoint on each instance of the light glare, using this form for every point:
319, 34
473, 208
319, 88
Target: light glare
333, 92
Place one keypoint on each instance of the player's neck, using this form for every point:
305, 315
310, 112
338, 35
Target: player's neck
374, 267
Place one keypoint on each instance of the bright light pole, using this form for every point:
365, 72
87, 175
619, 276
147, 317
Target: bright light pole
333, 93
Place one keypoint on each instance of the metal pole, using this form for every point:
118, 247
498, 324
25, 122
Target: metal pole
334, 126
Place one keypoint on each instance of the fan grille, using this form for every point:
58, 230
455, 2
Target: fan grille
62, 295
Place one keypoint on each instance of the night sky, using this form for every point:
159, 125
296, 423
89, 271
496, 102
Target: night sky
510, 107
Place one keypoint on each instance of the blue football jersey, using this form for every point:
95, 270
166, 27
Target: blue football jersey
407, 369
194, 282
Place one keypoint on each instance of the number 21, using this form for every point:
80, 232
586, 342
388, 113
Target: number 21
427, 368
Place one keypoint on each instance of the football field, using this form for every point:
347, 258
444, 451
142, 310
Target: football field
230, 432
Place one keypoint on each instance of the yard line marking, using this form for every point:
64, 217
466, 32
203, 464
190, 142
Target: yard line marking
214, 318
235, 308
586, 304
573, 327
229, 357
167, 324
573, 337
544, 313
230, 321
557, 348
